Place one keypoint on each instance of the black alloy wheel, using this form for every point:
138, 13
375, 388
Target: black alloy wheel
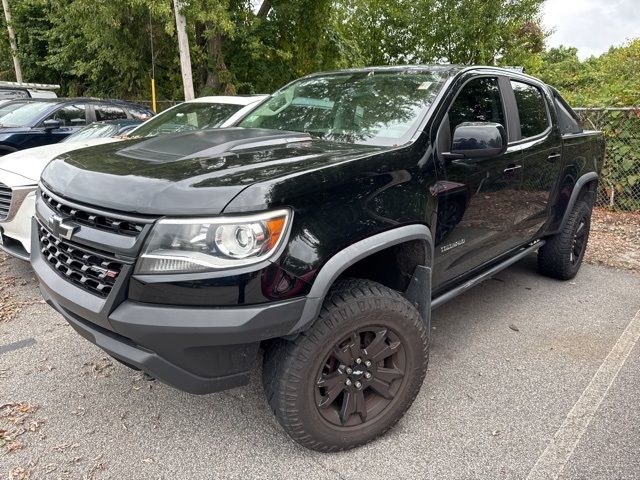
354, 373
360, 377
562, 255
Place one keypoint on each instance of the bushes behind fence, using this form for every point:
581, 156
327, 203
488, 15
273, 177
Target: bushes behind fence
620, 179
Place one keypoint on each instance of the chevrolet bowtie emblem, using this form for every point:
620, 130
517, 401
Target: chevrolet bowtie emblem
60, 228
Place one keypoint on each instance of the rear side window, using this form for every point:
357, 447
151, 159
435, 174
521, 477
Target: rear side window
532, 108
140, 113
109, 112
567, 120
478, 101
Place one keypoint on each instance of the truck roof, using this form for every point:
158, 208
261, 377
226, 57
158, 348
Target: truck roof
447, 69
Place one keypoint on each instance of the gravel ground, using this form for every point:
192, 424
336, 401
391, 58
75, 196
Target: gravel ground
509, 360
615, 239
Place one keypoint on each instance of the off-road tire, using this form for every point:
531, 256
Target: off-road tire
291, 368
557, 258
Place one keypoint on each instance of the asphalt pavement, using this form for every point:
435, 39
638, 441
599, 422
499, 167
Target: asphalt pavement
512, 361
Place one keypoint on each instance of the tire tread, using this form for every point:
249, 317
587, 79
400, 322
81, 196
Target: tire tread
279, 369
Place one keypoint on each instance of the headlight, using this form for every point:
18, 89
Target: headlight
205, 244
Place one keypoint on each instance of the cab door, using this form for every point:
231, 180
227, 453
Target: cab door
541, 145
72, 117
477, 197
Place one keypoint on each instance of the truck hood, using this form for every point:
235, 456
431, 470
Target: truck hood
29, 163
193, 173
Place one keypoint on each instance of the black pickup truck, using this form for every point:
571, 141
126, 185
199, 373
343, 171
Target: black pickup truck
321, 230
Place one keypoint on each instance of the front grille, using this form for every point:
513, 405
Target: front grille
89, 270
5, 201
94, 220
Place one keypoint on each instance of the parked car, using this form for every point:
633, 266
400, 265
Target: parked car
199, 114
32, 123
14, 90
312, 231
20, 171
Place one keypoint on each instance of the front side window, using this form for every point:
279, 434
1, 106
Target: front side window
109, 112
378, 108
70, 116
186, 117
532, 109
478, 101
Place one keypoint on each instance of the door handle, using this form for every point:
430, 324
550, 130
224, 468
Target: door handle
512, 168
553, 157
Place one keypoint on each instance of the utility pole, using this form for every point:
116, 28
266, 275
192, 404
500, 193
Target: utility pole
154, 107
12, 41
183, 45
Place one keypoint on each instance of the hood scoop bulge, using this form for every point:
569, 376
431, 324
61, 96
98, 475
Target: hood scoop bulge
208, 143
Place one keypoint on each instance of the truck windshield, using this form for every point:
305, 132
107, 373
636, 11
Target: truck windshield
25, 115
375, 107
186, 117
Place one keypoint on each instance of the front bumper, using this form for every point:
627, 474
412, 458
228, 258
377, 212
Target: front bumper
196, 349
15, 232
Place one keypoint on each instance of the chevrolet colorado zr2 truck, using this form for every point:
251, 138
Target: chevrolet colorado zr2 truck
318, 233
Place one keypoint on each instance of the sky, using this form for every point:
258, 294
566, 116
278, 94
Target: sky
592, 26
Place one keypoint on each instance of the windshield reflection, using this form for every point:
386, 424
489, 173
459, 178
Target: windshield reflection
186, 117
374, 107
93, 131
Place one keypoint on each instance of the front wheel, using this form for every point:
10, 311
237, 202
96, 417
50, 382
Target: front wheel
562, 254
354, 373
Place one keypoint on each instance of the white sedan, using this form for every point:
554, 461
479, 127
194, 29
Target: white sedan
20, 171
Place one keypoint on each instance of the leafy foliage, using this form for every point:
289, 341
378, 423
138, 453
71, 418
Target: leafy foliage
620, 176
610, 80
244, 46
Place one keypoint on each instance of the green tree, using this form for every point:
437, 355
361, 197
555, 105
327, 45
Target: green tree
481, 31
103, 48
610, 80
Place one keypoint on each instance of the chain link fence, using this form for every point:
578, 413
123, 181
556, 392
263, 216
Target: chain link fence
620, 179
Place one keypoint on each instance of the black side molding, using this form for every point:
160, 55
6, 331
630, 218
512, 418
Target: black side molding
577, 189
445, 297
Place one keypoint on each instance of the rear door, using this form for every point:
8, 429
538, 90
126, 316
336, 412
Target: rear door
541, 144
476, 197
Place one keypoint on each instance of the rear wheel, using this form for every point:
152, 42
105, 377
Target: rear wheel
354, 373
562, 254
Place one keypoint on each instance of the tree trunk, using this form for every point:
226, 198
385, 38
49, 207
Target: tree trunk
218, 76
265, 8
12, 41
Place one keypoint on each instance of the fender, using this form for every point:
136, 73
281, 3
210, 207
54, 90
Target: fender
418, 291
577, 189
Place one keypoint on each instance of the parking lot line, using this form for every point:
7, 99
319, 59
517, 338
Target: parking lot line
554, 458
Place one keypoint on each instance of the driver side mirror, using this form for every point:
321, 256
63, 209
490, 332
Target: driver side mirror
478, 140
51, 124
